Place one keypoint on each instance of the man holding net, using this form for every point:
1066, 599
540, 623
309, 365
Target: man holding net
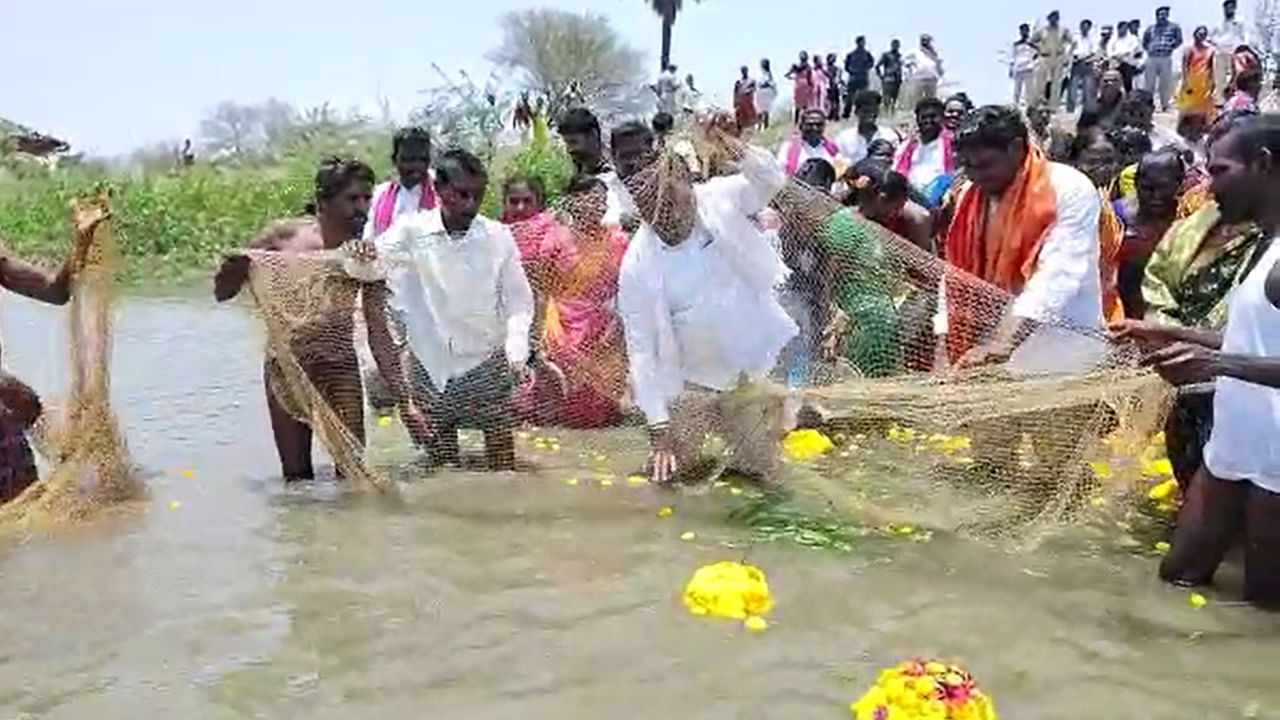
696, 296
316, 361
20, 406
456, 280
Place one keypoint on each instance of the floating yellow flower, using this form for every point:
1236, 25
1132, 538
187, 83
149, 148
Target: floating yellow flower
806, 445
900, 434
606, 482
687, 536
174, 504
924, 690
571, 482
1162, 547
1197, 600
637, 480
1102, 470
1157, 468
728, 590
755, 623
1164, 491
384, 421
949, 444
666, 512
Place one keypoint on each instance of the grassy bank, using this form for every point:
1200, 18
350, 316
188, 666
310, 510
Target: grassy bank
174, 226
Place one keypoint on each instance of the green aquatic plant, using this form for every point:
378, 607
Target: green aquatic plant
775, 518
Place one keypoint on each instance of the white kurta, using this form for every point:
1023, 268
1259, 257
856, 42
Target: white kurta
705, 311
460, 298
854, 146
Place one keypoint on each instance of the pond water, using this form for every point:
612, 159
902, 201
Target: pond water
488, 597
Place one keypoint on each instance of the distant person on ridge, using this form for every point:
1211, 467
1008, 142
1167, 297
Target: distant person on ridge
889, 69
858, 64
1022, 67
1160, 41
1052, 43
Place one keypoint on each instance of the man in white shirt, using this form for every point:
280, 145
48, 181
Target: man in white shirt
810, 143
1082, 86
926, 159
853, 142
697, 298
1126, 50
924, 69
1226, 38
456, 281
580, 130
1022, 66
668, 90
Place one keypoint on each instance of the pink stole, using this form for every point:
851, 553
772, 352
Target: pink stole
903, 165
793, 154
385, 205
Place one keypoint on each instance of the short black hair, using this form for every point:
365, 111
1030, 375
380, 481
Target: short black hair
578, 121
929, 103
825, 173
1130, 141
880, 178
632, 130
533, 182
991, 126
663, 122
962, 98
584, 183
410, 135
867, 98
455, 163
1255, 133
336, 174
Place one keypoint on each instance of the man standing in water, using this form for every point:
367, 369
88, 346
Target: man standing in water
696, 296
19, 404
325, 350
582, 139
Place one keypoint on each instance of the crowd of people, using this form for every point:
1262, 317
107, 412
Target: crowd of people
671, 282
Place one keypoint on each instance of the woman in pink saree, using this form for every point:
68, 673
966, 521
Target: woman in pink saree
573, 268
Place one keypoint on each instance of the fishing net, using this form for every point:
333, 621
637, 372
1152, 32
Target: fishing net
78, 436
1004, 451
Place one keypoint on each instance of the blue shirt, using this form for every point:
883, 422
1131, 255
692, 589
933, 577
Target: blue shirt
1161, 40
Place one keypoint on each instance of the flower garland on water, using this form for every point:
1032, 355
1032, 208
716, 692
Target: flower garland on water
806, 445
924, 690
729, 590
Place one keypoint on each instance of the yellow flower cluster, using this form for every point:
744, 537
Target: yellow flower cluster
729, 590
948, 445
924, 690
806, 445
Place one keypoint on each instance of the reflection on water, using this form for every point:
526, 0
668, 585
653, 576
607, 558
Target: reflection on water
516, 596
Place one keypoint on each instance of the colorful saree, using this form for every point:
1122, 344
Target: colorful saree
861, 290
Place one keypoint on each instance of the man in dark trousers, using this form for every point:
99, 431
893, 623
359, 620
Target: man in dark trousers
857, 66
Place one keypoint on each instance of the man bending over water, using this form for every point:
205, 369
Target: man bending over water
325, 349
20, 406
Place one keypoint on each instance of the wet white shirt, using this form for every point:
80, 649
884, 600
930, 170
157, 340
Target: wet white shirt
619, 200
1065, 286
705, 311
1246, 417
460, 298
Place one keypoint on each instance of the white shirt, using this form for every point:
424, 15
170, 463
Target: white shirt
461, 299
928, 162
1085, 45
853, 146
807, 152
705, 311
1246, 417
618, 199
1229, 36
923, 67
407, 201
1024, 57
1065, 287
1127, 49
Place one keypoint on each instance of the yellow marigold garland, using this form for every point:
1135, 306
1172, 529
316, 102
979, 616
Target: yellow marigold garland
924, 690
729, 590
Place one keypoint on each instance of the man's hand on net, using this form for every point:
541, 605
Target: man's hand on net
231, 276
362, 250
988, 354
662, 455
1150, 336
835, 335
416, 422
1185, 363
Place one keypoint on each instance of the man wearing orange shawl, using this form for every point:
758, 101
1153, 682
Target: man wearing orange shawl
1028, 226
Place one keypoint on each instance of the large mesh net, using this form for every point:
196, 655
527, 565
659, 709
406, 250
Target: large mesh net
78, 437
865, 410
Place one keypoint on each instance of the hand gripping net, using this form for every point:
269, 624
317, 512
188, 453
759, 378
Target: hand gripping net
78, 436
1003, 452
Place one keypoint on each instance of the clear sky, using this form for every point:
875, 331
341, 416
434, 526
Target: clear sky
111, 75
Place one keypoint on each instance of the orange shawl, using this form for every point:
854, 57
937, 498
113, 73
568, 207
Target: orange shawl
1000, 247
1110, 239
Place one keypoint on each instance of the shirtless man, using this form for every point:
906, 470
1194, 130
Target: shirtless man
326, 351
20, 406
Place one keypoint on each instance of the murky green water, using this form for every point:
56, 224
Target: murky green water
487, 597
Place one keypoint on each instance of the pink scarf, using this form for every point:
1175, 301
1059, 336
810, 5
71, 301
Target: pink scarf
793, 154
903, 165
386, 204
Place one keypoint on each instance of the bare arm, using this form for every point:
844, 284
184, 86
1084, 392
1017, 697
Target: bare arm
382, 343
234, 271
23, 278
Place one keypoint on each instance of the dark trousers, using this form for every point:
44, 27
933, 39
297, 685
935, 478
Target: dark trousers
851, 91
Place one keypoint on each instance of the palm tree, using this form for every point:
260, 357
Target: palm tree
667, 10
